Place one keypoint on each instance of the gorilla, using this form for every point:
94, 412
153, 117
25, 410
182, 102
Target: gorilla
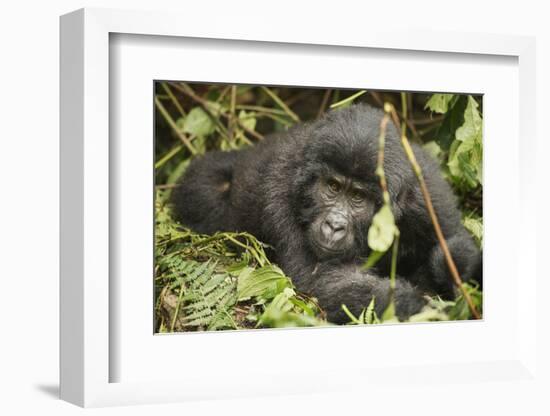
311, 193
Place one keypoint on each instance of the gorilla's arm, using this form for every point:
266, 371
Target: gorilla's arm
347, 284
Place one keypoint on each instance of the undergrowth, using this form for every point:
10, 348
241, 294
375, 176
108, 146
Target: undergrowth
226, 281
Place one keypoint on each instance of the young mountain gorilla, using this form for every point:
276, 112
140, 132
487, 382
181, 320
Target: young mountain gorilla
311, 194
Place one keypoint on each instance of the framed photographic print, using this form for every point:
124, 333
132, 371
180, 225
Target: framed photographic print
353, 190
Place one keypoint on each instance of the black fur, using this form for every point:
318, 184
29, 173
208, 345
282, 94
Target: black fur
270, 191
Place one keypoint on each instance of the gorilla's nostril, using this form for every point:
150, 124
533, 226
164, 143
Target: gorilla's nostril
327, 229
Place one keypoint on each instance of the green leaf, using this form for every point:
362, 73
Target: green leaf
280, 313
466, 153
382, 230
370, 316
460, 310
475, 227
454, 118
264, 282
428, 315
197, 123
471, 129
439, 103
248, 119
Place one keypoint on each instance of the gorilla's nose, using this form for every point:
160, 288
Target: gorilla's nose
334, 227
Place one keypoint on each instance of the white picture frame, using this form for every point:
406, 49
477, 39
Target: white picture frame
87, 303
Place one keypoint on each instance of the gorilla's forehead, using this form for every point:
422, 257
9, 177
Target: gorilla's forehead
347, 141
350, 164
355, 157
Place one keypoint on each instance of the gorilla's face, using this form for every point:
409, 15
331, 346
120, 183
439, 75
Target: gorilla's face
342, 214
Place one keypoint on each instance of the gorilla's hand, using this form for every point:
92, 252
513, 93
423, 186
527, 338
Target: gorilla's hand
332, 285
437, 278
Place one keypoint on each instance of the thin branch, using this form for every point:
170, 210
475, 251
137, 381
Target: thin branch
281, 104
233, 101
174, 126
171, 153
261, 109
404, 113
347, 100
323, 106
380, 103
388, 108
380, 162
173, 98
187, 90
167, 186
203, 103
427, 120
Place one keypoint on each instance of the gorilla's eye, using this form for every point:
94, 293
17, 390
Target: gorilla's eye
358, 195
334, 185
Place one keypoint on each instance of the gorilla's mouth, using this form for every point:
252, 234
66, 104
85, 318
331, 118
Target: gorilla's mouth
327, 251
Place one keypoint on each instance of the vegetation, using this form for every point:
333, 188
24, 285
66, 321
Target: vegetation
226, 281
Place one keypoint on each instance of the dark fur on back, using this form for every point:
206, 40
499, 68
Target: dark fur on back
267, 191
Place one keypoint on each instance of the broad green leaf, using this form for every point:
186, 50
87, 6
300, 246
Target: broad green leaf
197, 123
439, 103
471, 129
281, 312
382, 230
429, 314
475, 227
454, 118
248, 119
466, 153
264, 282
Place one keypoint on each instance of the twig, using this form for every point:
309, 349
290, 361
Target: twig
173, 98
233, 101
348, 99
427, 120
190, 93
167, 186
302, 95
380, 103
186, 89
403, 113
281, 104
380, 162
377, 98
261, 109
174, 126
168, 156
388, 108
324, 103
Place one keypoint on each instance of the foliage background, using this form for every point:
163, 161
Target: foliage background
226, 281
